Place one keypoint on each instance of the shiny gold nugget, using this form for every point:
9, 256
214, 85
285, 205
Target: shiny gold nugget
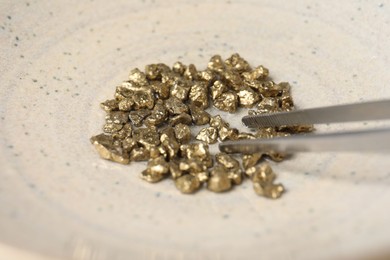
263, 177
109, 150
187, 184
219, 180
183, 133
208, 135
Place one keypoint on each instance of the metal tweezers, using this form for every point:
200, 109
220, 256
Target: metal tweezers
359, 141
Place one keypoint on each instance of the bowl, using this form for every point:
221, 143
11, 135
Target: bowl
61, 59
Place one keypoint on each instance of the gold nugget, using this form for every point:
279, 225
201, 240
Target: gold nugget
183, 133
233, 166
208, 135
175, 106
110, 105
238, 63
198, 115
199, 95
263, 178
187, 184
227, 101
219, 180
109, 150
180, 89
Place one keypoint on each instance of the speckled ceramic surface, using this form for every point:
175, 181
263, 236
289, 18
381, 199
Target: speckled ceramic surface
59, 59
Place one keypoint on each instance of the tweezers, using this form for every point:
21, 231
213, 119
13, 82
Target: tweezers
358, 141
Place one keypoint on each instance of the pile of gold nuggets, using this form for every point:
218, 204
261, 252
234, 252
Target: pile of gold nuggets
151, 115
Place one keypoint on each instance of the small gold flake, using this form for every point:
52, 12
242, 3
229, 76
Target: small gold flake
158, 115
127, 88
243, 135
190, 72
154, 151
123, 133
175, 106
285, 86
164, 152
138, 77
218, 122
217, 89
227, 101
234, 171
126, 104
296, 129
235, 175
182, 118
144, 98
202, 176
169, 78
182, 133
268, 105
129, 144
174, 169
219, 180
136, 117
266, 132
117, 117
227, 160
250, 160
168, 133
187, 184
162, 90
179, 67
270, 89
252, 112
139, 154
180, 89
263, 177
287, 103
146, 136
171, 148
197, 151
263, 174
259, 72
152, 72
195, 167
272, 191
155, 71
150, 176
124, 91
224, 131
207, 75
108, 150
158, 166
216, 63
275, 156
111, 128
110, 105
247, 97
227, 133
238, 63
208, 135
198, 115
233, 79
192, 165
198, 95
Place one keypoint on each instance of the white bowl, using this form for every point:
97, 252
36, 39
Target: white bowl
59, 59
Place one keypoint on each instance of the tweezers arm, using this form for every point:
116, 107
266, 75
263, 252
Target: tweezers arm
375, 110
362, 141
